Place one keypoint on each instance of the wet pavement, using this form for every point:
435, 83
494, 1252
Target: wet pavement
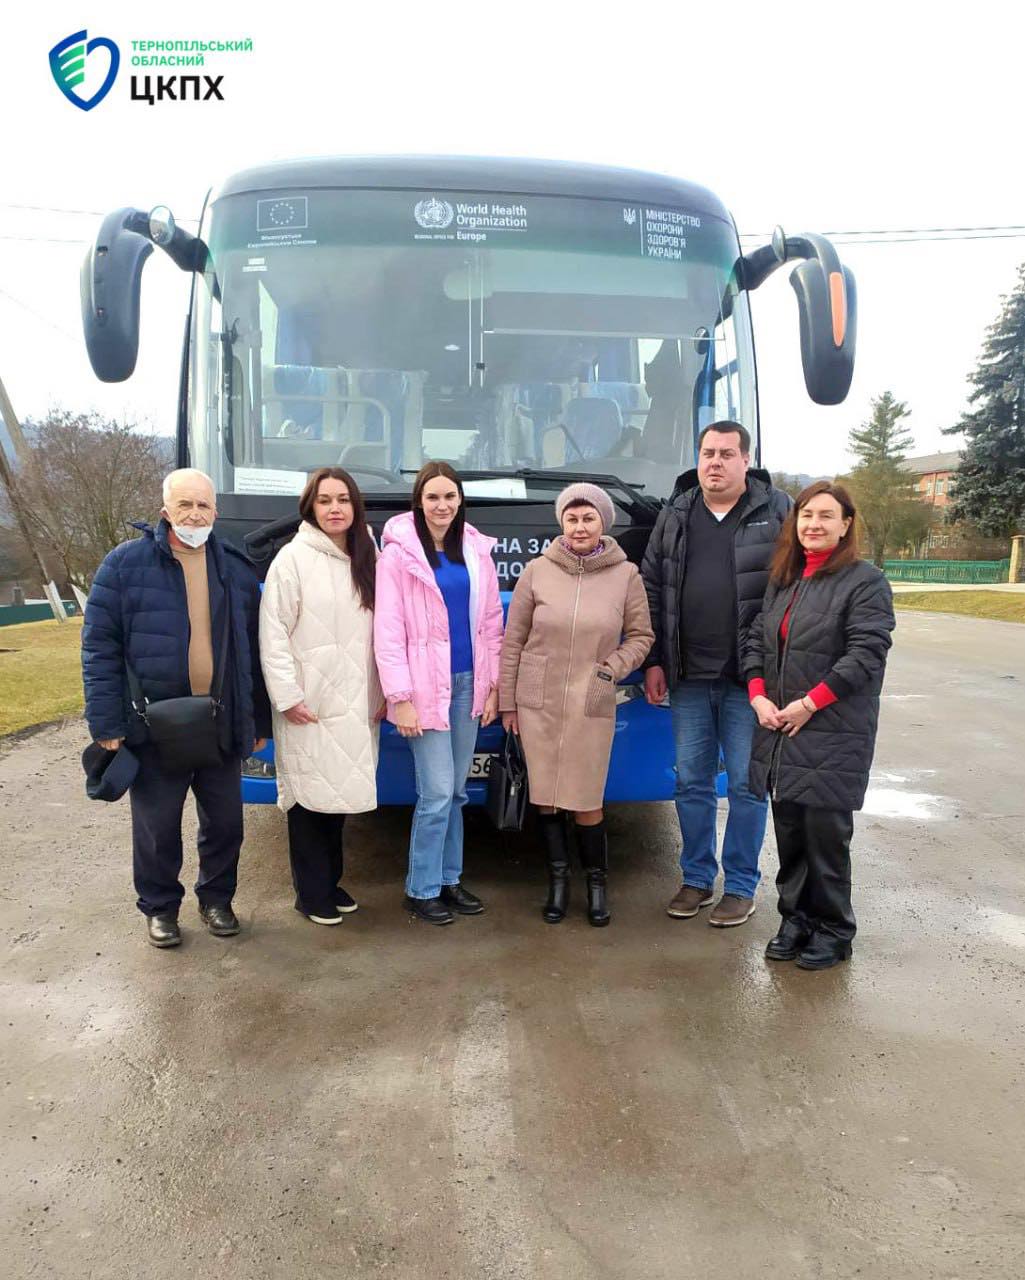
504, 1098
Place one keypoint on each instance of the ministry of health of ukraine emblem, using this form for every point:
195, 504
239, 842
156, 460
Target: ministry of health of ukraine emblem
433, 214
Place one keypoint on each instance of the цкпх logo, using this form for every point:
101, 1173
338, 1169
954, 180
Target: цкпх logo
67, 62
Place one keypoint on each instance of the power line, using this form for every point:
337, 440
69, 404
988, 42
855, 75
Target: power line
1010, 235
49, 208
38, 315
900, 231
45, 240
88, 213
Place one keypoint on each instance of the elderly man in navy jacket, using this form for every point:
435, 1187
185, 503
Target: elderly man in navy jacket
160, 604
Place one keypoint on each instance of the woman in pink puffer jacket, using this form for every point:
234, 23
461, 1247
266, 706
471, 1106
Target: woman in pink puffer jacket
437, 640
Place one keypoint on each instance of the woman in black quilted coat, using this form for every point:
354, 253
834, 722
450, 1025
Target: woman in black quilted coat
814, 661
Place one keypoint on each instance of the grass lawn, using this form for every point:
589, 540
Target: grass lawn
1005, 606
42, 680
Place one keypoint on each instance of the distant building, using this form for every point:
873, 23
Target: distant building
935, 475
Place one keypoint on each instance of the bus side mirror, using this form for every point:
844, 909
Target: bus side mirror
827, 309
827, 304
111, 282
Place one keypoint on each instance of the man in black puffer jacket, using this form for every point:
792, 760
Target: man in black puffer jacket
705, 571
161, 604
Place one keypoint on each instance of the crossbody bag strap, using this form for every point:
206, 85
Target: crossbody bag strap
139, 699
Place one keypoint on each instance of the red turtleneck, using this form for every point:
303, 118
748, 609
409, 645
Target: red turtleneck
821, 695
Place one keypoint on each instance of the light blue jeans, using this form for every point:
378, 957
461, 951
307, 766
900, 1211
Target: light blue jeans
441, 761
709, 715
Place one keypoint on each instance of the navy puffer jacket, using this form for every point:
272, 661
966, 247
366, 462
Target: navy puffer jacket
763, 509
137, 612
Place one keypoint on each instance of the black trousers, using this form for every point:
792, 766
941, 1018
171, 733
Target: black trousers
315, 852
814, 880
157, 801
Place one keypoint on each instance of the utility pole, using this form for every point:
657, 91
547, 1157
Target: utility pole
9, 481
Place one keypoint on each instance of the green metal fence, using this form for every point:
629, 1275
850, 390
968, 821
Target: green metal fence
14, 613
970, 572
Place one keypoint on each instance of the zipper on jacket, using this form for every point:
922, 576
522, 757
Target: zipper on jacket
569, 668
791, 609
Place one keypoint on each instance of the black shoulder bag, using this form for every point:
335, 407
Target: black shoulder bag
185, 731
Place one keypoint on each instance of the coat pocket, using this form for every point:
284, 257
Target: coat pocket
601, 694
530, 681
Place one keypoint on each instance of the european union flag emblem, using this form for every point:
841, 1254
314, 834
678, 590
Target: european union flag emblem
289, 213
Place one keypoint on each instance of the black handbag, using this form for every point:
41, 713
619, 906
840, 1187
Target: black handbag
186, 731
507, 786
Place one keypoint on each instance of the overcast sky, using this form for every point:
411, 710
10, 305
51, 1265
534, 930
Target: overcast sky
841, 118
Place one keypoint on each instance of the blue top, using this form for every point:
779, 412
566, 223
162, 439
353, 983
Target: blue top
454, 583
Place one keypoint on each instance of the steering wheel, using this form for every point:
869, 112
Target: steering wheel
383, 473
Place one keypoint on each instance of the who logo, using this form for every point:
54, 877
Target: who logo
68, 63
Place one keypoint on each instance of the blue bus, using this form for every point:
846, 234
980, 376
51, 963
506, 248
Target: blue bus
531, 322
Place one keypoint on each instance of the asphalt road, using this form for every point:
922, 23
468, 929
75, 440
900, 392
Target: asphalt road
508, 1099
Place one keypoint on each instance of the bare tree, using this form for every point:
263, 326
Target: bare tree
89, 478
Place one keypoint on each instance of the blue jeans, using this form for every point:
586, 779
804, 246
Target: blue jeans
709, 715
441, 761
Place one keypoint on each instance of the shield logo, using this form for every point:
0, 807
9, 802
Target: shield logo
67, 63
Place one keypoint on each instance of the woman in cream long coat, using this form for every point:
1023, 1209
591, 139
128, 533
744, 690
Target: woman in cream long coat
578, 623
316, 647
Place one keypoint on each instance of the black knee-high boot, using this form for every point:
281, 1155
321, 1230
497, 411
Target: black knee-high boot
556, 843
594, 858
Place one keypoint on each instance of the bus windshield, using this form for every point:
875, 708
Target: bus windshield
374, 329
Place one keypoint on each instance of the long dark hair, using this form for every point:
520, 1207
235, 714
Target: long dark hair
358, 542
453, 544
788, 559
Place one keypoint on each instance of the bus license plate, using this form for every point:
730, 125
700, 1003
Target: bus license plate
480, 767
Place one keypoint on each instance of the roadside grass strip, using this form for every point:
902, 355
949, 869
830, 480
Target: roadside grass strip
40, 673
1002, 606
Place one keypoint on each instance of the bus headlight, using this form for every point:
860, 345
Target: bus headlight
254, 767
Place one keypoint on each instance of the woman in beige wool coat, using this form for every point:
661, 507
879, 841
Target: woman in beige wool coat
578, 623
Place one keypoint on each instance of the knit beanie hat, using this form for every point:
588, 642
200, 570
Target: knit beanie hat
591, 494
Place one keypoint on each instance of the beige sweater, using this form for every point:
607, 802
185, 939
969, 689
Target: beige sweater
197, 590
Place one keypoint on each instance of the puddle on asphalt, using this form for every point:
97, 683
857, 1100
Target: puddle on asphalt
888, 802
1005, 926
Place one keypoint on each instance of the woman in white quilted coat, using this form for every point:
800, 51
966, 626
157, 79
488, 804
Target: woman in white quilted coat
316, 648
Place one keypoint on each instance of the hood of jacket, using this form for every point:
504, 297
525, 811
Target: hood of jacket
610, 554
759, 483
311, 535
400, 531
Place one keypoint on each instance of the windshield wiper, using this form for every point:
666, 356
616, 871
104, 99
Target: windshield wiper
639, 505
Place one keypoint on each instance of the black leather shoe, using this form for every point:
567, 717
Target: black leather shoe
221, 921
461, 900
433, 910
822, 951
163, 930
788, 942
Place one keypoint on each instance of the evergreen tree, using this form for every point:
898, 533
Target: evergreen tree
893, 515
883, 438
990, 485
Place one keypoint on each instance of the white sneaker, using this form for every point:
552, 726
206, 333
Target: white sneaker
321, 919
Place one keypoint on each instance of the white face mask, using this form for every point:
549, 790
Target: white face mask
192, 535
